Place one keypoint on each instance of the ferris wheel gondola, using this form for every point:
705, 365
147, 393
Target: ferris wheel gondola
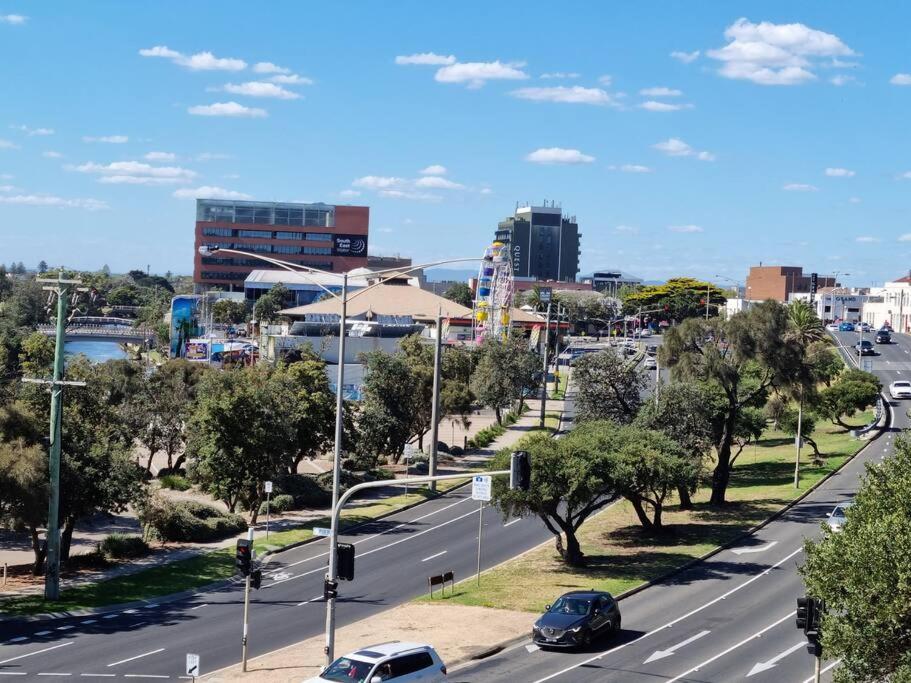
494, 294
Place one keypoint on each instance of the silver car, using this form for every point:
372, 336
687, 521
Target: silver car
837, 518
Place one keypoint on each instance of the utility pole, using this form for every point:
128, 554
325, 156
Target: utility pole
247, 598
61, 288
544, 378
435, 412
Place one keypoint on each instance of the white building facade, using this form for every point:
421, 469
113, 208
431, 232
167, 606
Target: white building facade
890, 305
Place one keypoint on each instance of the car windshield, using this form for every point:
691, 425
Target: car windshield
347, 670
839, 512
578, 606
901, 385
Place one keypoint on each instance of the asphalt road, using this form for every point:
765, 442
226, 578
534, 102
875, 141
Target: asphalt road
729, 618
394, 558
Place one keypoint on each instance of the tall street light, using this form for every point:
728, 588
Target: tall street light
834, 287
343, 298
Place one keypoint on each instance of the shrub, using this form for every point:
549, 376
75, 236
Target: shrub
456, 450
442, 447
123, 547
306, 490
176, 482
280, 503
190, 521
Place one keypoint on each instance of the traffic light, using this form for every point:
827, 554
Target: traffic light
809, 620
330, 589
256, 579
243, 556
344, 559
520, 471
802, 611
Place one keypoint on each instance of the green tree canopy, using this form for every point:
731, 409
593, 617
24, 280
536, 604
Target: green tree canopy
269, 304
854, 390
461, 293
505, 372
677, 299
609, 387
229, 312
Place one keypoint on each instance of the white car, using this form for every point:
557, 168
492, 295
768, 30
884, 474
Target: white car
900, 389
394, 661
837, 518
645, 333
651, 362
832, 327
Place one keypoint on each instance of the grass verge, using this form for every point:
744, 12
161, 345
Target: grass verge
621, 556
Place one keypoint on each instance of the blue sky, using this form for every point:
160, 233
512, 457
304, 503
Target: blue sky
777, 133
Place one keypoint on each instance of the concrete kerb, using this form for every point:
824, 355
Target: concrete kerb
512, 642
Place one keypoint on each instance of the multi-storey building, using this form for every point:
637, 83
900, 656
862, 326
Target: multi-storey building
322, 236
780, 282
543, 244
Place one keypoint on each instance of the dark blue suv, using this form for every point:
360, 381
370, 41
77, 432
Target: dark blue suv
577, 618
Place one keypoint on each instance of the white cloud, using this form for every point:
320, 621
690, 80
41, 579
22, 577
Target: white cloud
212, 156
775, 54
6, 144
675, 147
375, 182
426, 58
110, 139
291, 79
476, 74
842, 79
209, 192
560, 75
227, 109
866, 239
50, 154
839, 173
33, 131
349, 193
260, 89
606, 80
685, 228
905, 238
160, 156
433, 169
52, 200
900, 79
558, 155
136, 173
905, 176
626, 228
631, 168
14, 19
438, 183
570, 95
201, 61
270, 68
404, 194
685, 57
660, 92
799, 187
486, 190
654, 105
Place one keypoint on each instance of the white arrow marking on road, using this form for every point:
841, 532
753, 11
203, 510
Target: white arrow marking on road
281, 576
765, 666
754, 549
672, 650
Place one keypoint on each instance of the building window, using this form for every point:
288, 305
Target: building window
217, 232
263, 234
318, 236
209, 275
280, 235
285, 249
319, 251
256, 247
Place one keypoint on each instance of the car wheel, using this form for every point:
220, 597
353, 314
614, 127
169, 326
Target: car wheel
617, 627
586, 640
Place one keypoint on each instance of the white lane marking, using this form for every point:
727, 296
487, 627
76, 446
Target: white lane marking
144, 676
65, 628
307, 602
759, 667
823, 670
675, 621
17, 639
672, 650
13, 673
42, 633
129, 611
754, 549
510, 523
55, 674
87, 622
743, 642
198, 606
130, 659
370, 538
99, 675
47, 649
433, 556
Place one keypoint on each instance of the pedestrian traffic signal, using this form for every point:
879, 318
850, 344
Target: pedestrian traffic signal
256, 579
802, 610
520, 471
330, 589
344, 558
243, 556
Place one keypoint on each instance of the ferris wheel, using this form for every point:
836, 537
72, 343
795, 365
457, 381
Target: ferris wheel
493, 299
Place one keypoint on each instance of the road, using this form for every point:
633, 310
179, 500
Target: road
394, 558
729, 618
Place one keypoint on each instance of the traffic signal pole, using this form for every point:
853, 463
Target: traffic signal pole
247, 599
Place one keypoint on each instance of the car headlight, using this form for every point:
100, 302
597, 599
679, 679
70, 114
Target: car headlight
536, 626
575, 629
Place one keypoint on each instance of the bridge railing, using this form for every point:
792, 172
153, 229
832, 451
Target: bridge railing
100, 331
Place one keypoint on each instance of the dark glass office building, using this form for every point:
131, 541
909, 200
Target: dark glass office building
543, 243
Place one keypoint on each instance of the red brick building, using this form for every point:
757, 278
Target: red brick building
322, 236
779, 282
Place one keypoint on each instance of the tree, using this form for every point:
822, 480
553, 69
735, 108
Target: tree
391, 395
505, 372
683, 413
419, 358
854, 390
37, 355
862, 575
6, 285
24, 492
568, 485
269, 304
239, 435
788, 424
228, 311
679, 298
743, 356
460, 293
609, 387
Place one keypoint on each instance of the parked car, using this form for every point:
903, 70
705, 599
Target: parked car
900, 389
394, 661
832, 327
864, 348
645, 332
863, 327
651, 362
577, 618
846, 327
883, 337
837, 518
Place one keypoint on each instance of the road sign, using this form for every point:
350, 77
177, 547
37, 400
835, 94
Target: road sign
480, 488
268, 487
192, 665
545, 295
321, 531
